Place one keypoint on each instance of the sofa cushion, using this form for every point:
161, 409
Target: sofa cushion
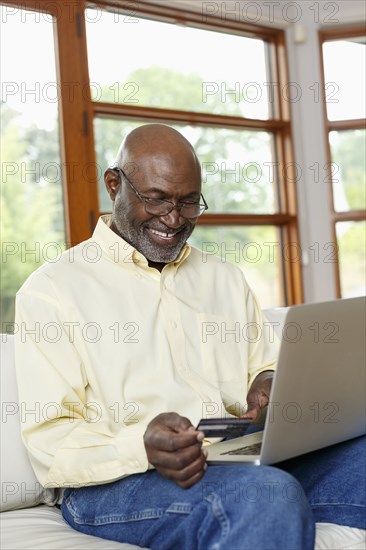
19, 485
329, 536
43, 527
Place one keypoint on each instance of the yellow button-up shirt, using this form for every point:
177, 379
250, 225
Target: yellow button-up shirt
104, 343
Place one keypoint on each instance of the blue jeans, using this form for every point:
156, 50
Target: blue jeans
232, 507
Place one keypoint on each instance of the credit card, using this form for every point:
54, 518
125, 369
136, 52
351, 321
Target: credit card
224, 427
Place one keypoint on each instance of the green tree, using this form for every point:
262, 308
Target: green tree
31, 207
348, 153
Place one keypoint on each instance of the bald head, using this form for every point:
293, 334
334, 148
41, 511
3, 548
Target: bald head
156, 140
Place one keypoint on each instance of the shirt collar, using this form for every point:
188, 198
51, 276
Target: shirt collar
120, 251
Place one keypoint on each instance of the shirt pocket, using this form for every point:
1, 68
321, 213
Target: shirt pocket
223, 349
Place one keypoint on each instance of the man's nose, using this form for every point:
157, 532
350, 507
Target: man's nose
173, 219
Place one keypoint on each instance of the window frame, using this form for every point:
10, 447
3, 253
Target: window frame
328, 35
77, 135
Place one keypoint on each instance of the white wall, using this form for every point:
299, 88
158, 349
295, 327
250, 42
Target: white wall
301, 20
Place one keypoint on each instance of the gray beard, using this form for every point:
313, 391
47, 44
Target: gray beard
164, 254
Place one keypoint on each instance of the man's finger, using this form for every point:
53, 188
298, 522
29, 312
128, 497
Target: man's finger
177, 460
173, 421
251, 414
189, 475
166, 440
191, 481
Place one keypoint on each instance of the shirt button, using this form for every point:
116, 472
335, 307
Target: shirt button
174, 324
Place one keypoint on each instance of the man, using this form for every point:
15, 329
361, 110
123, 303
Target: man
120, 345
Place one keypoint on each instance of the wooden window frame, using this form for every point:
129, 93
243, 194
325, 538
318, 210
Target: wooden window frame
76, 139
327, 35
77, 116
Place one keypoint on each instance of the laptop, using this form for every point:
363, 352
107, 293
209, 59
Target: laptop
318, 395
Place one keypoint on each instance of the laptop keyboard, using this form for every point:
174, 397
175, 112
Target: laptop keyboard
254, 449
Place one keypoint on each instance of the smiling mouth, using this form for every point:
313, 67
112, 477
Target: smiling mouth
163, 234
166, 236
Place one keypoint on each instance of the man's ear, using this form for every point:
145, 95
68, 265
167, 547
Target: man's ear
112, 182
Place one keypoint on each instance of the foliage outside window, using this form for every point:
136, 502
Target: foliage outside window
345, 122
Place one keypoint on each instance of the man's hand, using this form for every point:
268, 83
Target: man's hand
258, 395
174, 448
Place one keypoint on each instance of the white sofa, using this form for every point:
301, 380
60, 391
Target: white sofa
29, 519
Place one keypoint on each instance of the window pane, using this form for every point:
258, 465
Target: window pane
352, 245
238, 173
32, 214
349, 182
344, 69
150, 63
256, 250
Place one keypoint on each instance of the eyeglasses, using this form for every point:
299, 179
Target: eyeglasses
160, 207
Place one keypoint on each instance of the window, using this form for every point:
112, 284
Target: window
32, 211
344, 99
165, 65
